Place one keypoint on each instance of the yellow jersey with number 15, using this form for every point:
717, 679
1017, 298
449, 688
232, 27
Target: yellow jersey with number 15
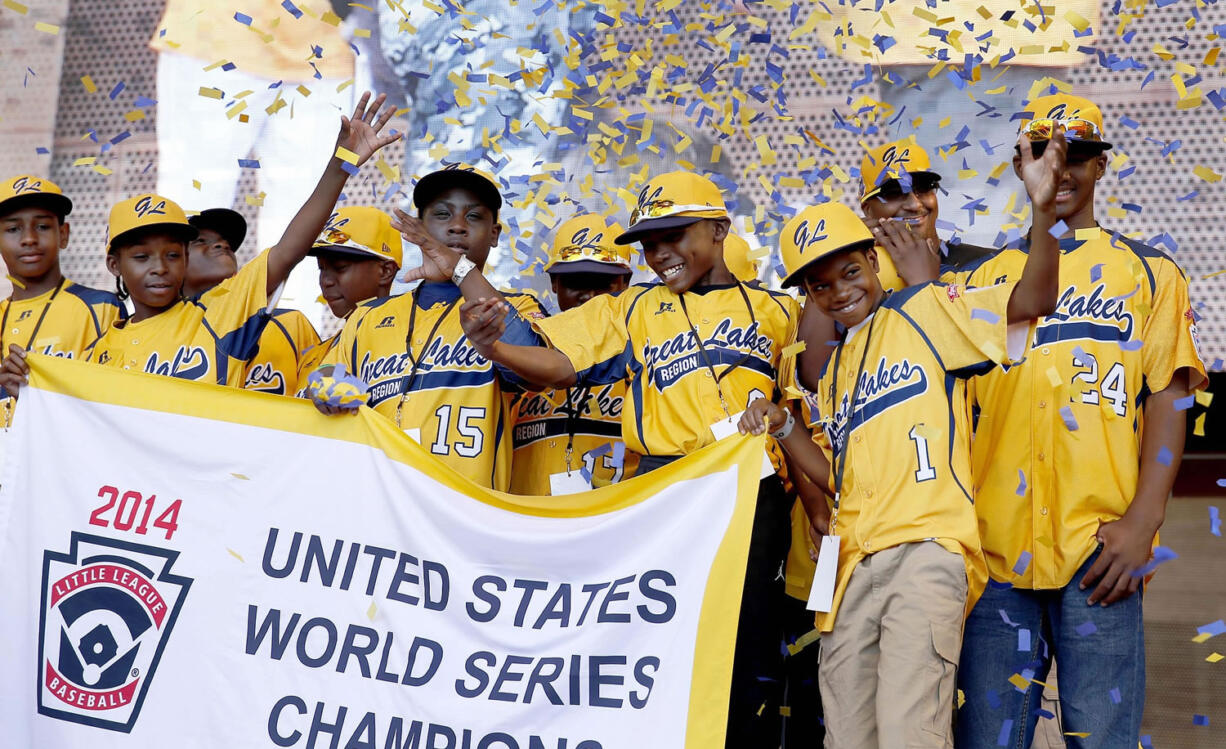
1057, 444
904, 446
412, 352
541, 433
209, 339
646, 336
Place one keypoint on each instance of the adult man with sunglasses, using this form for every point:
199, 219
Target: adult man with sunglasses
1069, 491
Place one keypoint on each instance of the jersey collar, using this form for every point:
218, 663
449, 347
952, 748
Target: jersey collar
430, 293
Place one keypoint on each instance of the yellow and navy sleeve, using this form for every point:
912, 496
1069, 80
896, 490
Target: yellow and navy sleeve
103, 306
966, 329
236, 310
595, 336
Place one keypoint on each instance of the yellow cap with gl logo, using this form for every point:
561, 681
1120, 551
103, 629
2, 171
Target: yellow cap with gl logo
818, 232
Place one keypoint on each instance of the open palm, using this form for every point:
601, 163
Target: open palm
1042, 175
360, 133
437, 260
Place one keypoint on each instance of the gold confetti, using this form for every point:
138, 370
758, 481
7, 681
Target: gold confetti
344, 154
46, 28
211, 93
11, 5
1206, 173
88, 83
793, 350
1215, 657
239, 475
236, 555
1202, 637
370, 612
1019, 681
1204, 397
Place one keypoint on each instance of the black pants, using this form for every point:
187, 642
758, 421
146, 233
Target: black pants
802, 726
758, 664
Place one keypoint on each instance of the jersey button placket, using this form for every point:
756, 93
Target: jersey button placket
1042, 476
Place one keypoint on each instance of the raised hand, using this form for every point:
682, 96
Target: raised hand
437, 259
360, 133
916, 257
1042, 175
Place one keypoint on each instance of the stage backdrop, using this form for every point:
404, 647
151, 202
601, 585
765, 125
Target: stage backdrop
192, 566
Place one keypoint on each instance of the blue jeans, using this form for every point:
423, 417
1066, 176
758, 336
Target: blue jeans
1101, 652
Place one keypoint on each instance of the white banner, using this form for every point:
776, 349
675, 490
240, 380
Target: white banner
192, 566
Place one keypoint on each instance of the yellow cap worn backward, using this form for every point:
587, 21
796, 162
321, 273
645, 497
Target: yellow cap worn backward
891, 161
26, 190
817, 232
736, 257
671, 200
1081, 118
584, 244
361, 231
144, 212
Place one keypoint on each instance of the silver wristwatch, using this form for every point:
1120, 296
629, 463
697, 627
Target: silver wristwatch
462, 268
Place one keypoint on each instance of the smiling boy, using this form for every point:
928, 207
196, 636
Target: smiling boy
693, 349
894, 453
46, 312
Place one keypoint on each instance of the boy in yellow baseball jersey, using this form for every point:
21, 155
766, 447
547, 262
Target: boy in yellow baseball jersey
572, 434
694, 348
1069, 490
902, 564
898, 199
208, 339
422, 372
359, 254
211, 259
46, 312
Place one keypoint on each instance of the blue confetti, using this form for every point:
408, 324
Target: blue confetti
1023, 562
1006, 729
1161, 556
1058, 229
1213, 629
119, 87
1197, 720
1096, 272
291, 9
1116, 697
1023, 640
1164, 455
1070, 421
1131, 345
350, 169
1085, 629
249, 163
1021, 483
144, 102
987, 316
1215, 521
243, 18
1183, 404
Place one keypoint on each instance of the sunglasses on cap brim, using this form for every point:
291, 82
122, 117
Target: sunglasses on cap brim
589, 252
1074, 129
664, 208
893, 189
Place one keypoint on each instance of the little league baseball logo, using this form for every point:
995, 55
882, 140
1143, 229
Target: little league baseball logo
108, 608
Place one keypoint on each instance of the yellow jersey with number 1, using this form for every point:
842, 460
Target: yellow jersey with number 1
904, 446
454, 396
1057, 444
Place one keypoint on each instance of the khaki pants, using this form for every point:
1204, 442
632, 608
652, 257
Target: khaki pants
888, 668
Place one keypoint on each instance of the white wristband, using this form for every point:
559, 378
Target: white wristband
463, 267
786, 429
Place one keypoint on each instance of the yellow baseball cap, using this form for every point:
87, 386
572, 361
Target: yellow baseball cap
584, 244
26, 189
361, 231
1082, 119
817, 232
147, 211
736, 257
476, 181
890, 162
671, 200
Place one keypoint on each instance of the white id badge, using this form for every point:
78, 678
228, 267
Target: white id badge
727, 426
414, 434
821, 595
567, 483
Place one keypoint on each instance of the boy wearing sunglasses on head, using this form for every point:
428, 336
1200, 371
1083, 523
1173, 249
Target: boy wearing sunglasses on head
568, 439
1069, 491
